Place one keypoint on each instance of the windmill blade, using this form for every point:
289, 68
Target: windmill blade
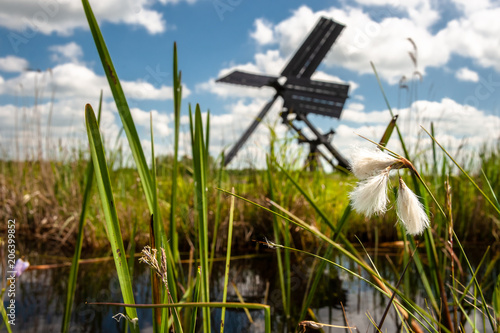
237, 146
248, 79
313, 50
318, 87
332, 109
319, 97
305, 103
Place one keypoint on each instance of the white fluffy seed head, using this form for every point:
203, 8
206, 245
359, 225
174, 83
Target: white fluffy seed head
370, 196
410, 210
366, 162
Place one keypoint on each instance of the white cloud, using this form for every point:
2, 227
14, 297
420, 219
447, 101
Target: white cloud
453, 123
70, 52
72, 84
465, 74
383, 39
13, 64
419, 11
475, 36
263, 33
71, 80
364, 40
160, 121
28, 17
28, 127
471, 6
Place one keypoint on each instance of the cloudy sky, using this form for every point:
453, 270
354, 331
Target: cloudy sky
49, 69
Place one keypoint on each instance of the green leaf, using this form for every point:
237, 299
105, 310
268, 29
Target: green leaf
388, 131
199, 167
109, 209
496, 298
122, 106
177, 117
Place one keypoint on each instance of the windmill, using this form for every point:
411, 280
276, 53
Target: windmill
301, 95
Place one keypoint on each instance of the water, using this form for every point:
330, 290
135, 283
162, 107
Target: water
40, 296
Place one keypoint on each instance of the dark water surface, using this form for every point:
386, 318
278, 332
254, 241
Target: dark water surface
40, 296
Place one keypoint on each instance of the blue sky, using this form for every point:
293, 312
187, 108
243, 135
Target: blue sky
49, 69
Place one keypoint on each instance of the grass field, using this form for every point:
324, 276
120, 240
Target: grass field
46, 196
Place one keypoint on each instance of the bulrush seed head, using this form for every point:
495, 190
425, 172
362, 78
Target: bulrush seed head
410, 210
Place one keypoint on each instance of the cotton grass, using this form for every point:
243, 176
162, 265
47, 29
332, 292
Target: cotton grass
410, 210
367, 162
369, 197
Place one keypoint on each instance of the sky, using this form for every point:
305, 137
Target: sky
438, 62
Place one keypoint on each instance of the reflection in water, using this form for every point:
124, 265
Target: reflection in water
40, 296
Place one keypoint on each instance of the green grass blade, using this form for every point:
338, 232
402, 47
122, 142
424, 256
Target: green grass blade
329, 251
73, 274
155, 231
196, 298
122, 106
228, 261
495, 199
360, 277
172, 282
207, 140
407, 155
276, 230
484, 304
177, 119
217, 211
306, 196
131, 251
109, 209
199, 167
191, 126
388, 131
434, 156
159, 234
4, 312
474, 275
496, 299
